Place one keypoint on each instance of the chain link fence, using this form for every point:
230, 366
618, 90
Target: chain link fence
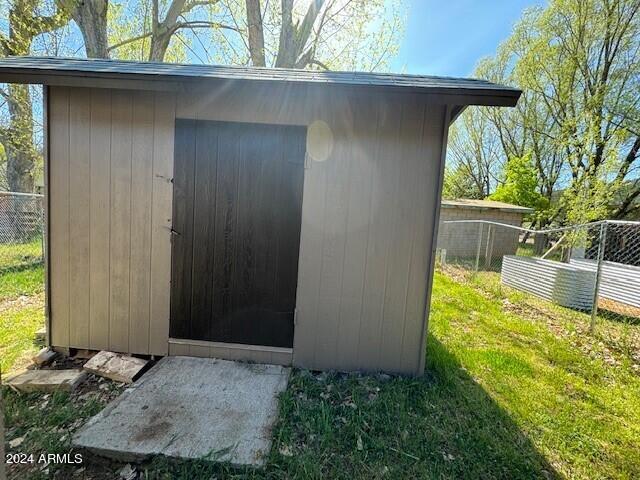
592, 268
21, 231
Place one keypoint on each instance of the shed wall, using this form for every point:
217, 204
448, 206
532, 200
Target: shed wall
461, 240
368, 214
369, 210
110, 161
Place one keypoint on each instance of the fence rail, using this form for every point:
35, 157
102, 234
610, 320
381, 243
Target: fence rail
21, 230
587, 267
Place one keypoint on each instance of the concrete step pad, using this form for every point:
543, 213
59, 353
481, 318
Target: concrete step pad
188, 407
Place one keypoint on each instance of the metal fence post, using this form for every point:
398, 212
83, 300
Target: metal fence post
601, 248
489, 250
479, 247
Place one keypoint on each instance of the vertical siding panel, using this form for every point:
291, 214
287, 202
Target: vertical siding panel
202, 197
182, 224
59, 201
141, 186
382, 199
402, 236
100, 218
120, 220
334, 234
419, 265
435, 151
165, 109
362, 168
313, 222
79, 215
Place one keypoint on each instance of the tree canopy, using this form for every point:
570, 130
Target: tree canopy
304, 34
578, 63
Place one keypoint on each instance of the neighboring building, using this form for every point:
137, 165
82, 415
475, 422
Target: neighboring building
271, 215
460, 240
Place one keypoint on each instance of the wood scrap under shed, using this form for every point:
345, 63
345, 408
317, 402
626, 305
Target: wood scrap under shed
116, 366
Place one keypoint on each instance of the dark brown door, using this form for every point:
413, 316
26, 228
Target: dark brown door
237, 207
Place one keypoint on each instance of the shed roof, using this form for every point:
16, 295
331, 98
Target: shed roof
473, 204
61, 71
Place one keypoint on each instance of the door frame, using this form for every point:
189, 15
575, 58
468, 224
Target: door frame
229, 350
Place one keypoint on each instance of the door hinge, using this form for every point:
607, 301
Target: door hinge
295, 317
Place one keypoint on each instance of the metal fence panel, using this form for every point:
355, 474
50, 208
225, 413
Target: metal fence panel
21, 230
591, 268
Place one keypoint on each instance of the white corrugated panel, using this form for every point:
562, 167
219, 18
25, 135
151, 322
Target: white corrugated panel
568, 285
618, 282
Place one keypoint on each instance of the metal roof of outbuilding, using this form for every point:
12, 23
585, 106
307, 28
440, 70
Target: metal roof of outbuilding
54, 71
484, 205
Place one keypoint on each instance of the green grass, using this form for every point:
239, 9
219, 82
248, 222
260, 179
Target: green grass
14, 255
21, 315
580, 412
46, 423
18, 327
512, 390
25, 281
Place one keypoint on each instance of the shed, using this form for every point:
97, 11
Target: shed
460, 240
263, 214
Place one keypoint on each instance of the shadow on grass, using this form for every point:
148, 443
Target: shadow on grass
490, 443
618, 315
443, 425
27, 264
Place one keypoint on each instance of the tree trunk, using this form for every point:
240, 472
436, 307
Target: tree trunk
294, 38
91, 17
159, 45
18, 141
21, 154
256, 34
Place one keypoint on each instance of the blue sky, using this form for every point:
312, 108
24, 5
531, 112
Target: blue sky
448, 37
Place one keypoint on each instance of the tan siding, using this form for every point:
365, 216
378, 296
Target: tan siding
104, 163
367, 221
120, 238
379, 234
361, 174
230, 351
59, 214
399, 254
79, 198
313, 223
163, 136
435, 147
99, 205
333, 234
141, 191
365, 241
427, 173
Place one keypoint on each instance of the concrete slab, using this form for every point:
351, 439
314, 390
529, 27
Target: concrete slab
188, 407
47, 380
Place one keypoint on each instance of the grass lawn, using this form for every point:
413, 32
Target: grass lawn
514, 388
16, 254
21, 315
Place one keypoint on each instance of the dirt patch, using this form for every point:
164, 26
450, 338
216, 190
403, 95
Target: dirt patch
23, 301
631, 313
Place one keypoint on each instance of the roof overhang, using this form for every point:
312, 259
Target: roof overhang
77, 72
